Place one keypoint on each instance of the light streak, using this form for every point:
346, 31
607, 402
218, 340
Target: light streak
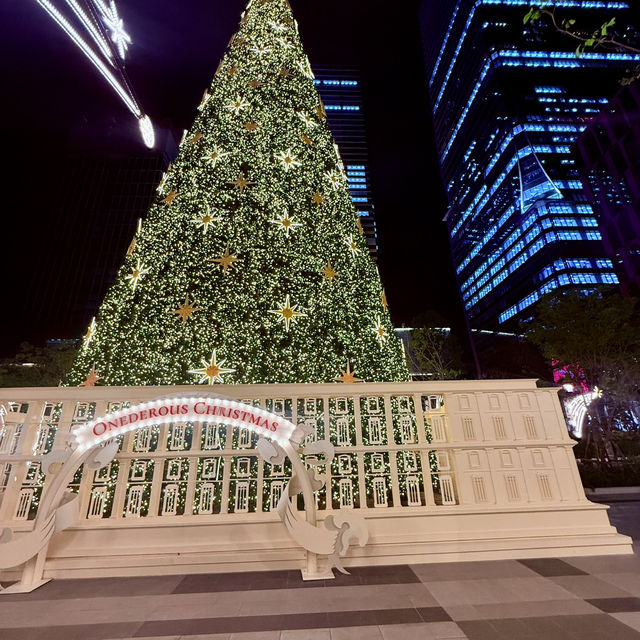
108, 70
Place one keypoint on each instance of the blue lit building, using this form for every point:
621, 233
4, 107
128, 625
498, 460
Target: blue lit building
341, 92
508, 102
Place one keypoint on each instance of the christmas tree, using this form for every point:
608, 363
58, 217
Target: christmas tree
252, 266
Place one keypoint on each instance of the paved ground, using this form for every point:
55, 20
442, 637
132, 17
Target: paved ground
549, 599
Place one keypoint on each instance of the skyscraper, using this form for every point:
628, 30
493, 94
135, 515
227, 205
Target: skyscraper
609, 153
508, 102
341, 92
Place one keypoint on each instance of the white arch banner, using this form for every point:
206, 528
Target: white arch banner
205, 409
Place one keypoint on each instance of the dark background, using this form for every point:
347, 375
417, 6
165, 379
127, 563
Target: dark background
56, 104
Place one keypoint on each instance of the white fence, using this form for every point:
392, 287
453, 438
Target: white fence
492, 458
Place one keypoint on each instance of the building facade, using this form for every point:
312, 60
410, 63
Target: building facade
341, 91
508, 102
609, 160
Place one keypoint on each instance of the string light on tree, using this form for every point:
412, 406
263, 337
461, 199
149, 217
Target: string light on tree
287, 227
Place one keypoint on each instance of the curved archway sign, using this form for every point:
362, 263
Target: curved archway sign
188, 409
95, 444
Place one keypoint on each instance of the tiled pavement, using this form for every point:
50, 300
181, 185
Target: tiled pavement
591, 598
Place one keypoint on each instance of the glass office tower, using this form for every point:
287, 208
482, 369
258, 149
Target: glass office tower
341, 92
508, 101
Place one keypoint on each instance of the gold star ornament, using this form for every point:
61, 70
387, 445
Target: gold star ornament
348, 376
205, 220
214, 156
226, 260
196, 137
318, 198
212, 371
241, 183
287, 313
186, 310
91, 379
380, 331
353, 246
329, 272
138, 271
171, 196
385, 304
251, 126
286, 223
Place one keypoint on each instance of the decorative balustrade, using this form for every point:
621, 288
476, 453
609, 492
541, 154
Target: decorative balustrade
400, 449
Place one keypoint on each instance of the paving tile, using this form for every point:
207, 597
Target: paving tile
606, 564
630, 619
524, 610
471, 570
433, 614
306, 634
106, 587
589, 587
630, 582
482, 630
552, 567
465, 592
357, 633
255, 635
112, 631
422, 631
595, 627
616, 605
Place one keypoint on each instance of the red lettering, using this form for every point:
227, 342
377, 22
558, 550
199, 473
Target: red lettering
236, 414
123, 420
112, 425
99, 429
163, 411
274, 426
184, 409
174, 410
196, 408
153, 413
143, 414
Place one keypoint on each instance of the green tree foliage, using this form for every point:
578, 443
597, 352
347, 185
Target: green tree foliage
37, 366
252, 266
600, 332
437, 351
603, 37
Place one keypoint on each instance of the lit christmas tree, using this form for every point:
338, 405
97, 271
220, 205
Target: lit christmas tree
252, 266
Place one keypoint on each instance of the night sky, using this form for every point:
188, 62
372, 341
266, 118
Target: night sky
54, 101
